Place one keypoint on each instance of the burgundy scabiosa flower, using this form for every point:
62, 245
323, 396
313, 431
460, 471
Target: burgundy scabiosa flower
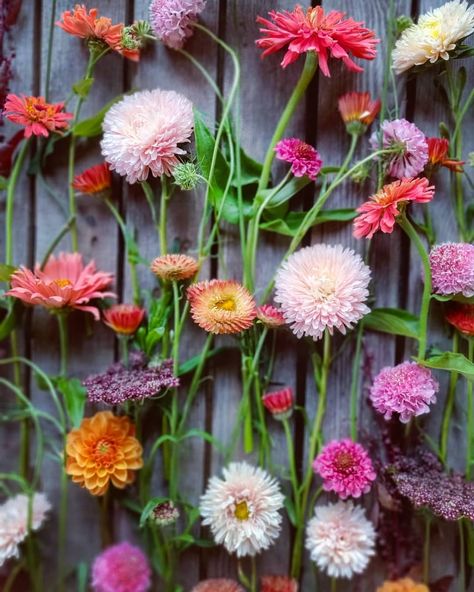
172, 20
164, 514
121, 568
279, 403
304, 159
452, 269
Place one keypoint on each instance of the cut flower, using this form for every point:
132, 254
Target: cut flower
38, 117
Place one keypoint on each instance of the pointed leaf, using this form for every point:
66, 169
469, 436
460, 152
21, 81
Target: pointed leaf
452, 363
74, 398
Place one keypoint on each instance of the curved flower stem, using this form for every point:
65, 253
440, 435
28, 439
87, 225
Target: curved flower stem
10, 200
470, 415
56, 240
333, 585
174, 419
448, 407
355, 382
49, 57
291, 463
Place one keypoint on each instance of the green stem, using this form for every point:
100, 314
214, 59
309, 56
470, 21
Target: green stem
470, 415
49, 57
174, 420
62, 530
449, 406
106, 537
63, 344
426, 549
56, 240
355, 385
291, 463
165, 194
10, 201
333, 585
462, 556
123, 346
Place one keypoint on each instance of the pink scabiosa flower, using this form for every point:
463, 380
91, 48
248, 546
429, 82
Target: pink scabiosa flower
174, 267
63, 283
327, 34
461, 316
304, 159
218, 585
345, 467
322, 287
94, 181
278, 584
406, 389
144, 131
452, 269
270, 316
382, 208
172, 20
38, 117
124, 319
279, 403
438, 149
121, 568
358, 111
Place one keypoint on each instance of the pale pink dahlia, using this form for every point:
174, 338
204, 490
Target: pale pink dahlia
143, 133
322, 287
345, 467
218, 585
412, 147
121, 568
452, 269
407, 389
172, 20
304, 159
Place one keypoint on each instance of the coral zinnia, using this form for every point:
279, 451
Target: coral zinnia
278, 584
327, 34
94, 180
221, 306
121, 568
124, 319
279, 403
304, 159
174, 268
438, 149
461, 316
382, 209
218, 585
143, 133
102, 450
322, 287
358, 111
172, 20
36, 115
270, 316
64, 282
452, 269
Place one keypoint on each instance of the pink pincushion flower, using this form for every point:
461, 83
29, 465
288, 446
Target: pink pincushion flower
278, 584
407, 389
36, 115
173, 20
412, 154
304, 159
121, 568
345, 467
452, 269
270, 316
64, 282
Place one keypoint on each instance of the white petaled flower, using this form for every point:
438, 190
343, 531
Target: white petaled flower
434, 35
242, 509
340, 539
322, 287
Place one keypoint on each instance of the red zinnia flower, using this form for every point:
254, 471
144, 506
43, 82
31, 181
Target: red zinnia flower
461, 316
36, 115
358, 110
93, 180
314, 30
124, 319
279, 403
438, 149
278, 584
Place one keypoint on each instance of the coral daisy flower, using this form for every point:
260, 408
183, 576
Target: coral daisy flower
358, 111
172, 20
438, 149
218, 585
322, 287
221, 306
280, 403
101, 451
382, 209
452, 269
38, 117
94, 180
174, 268
121, 568
461, 316
304, 159
403, 585
270, 316
64, 282
143, 133
278, 584
242, 509
124, 319
327, 34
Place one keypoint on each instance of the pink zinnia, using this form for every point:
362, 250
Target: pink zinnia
280, 403
345, 467
304, 159
218, 585
270, 316
412, 147
327, 34
36, 115
452, 269
278, 584
64, 282
407, 389
173, 20
121, 568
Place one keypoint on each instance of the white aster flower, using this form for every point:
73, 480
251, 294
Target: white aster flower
340, 539
242, 509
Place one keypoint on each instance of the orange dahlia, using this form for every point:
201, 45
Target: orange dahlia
438, 149
403, 585
103, 449
174, 267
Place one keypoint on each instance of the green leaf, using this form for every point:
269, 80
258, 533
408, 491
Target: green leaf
292, 222
74, 398
9, 321
450, 362
204, 543
454, 297
82, 577
92, 127
290, 189
148, 509
6, 271
192, 363
250, 170
3, 182
83, 87
394, 321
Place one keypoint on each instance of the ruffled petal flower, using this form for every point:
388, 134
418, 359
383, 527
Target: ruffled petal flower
304, 159
452, 269
38, 117
121, 568
172, 20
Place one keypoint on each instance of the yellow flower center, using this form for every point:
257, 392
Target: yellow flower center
63, 282
242, 511
226, 304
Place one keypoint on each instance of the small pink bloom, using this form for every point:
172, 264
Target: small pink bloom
270, 316
279, 403
124, 319
278, 584
218, 585
304, 159
121, 568
173, 20
452, 269
36, 115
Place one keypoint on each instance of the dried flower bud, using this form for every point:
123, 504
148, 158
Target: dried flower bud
164, 514
186, 176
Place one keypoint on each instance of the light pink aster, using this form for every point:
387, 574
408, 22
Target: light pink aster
218, 585
172, 20
345, 467
452, 269
121, 568
322, 287
412, 154
144, 131
304, 159
406, 389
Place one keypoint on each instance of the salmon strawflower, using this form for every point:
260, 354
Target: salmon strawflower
358, 111
461, 316
94, 180
38, 117
438, 149
174, 267
124, 319
278, 584
403, 585
103, 450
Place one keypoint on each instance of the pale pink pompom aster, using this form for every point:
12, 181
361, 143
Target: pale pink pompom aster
345, 467
173, 20
452, 269
407, 389
121, 568
304, 159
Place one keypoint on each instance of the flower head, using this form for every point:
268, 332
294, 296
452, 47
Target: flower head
340, 539
382, 209
279, 403
164, 514
221, 306
174, 268
461, 316
94, 180
278, 584
242, 509
345, 467
326, 34
270, 316
38, 117
403, 585
407, 389
304, 159
124, 319
121, 568
173, 20
438, 149
358, 111
452, 269
144, 131
101, 451
64, 282
218, 585
186, 176
322, 287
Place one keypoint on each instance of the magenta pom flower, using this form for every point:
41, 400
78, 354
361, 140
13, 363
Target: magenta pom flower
121, 568
304, 159
173, 20
412, 154
345, 467
407, 389
452, 269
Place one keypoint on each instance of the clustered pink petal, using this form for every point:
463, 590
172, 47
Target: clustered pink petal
121, 568
304, 159
38, 117
345, 467
270, 316
452, 269
407, 389
173, 20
